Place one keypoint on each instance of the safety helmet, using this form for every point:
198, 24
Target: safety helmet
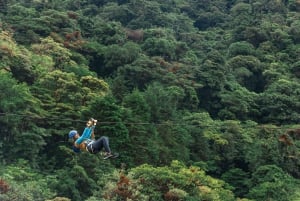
72, 133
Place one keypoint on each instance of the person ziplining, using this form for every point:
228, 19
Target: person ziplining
87, 142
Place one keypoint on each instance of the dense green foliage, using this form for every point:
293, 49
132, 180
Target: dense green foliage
201, 99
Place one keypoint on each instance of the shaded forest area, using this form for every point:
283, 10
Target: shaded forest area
200, 98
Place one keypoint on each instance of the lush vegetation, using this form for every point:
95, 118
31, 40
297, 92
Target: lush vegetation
201, 99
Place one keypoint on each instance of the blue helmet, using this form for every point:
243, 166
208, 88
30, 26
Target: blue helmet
72, 133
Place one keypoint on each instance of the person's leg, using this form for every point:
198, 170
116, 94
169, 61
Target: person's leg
101, 143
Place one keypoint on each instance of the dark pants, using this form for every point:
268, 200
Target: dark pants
98, 145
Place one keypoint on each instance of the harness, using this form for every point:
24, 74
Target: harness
89, 146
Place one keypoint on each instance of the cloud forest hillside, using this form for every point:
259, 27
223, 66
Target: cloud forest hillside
200, 98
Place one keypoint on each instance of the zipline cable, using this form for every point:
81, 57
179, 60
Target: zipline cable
169, 123
36, 117
73, 120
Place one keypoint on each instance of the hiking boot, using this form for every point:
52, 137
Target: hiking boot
110, 155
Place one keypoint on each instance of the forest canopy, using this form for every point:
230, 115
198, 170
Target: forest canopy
200, 98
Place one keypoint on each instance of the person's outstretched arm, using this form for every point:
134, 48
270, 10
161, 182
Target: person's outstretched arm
87, 134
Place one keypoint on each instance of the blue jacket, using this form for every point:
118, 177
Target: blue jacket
87, 133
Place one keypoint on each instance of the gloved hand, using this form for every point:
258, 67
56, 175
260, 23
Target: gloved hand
94, 121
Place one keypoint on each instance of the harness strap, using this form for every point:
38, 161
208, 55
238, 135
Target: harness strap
89, 146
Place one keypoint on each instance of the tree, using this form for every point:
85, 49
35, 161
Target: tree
174, 182
173, 142
75, 183
262, 147
241, 48
241, 14
295, 68
145, 14
16, 59
143, 136
56, 87
60, 54
279, 102
238, 103
163, 101
254, 35
22, 68
24, 21
239, 179
160, 47
211, 75
271, 182
281, 38
210, 19
113, 11
3, 5
103, 31
20, 135
138, 74
116, 56
289, 150
236, 139
199, 145
25, 183
248, 71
